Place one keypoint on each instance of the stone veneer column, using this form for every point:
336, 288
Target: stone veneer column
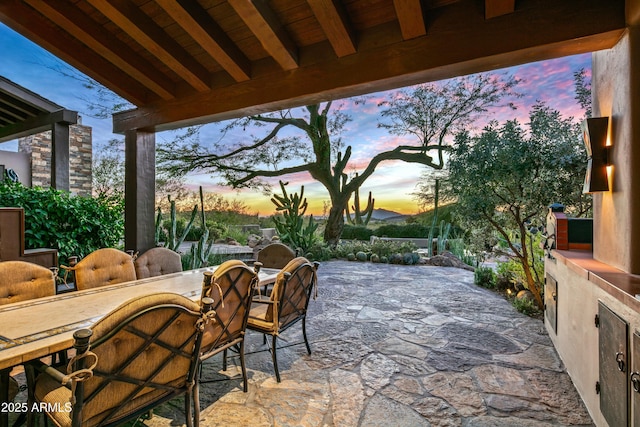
616, 94
80, 158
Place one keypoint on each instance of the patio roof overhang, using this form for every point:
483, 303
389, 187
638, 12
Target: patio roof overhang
24, 113
190, 62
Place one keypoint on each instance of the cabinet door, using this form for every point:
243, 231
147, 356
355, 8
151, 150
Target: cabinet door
635, 380
613, 357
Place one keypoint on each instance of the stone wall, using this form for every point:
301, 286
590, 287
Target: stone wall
80, 158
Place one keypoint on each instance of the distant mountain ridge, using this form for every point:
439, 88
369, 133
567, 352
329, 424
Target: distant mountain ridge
385, 214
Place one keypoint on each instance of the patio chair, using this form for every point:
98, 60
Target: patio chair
142, 354
156, 262
286, 305
231, 287
275, 255
23, 281
106, 266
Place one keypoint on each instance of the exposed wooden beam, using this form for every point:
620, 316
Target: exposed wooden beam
153, 38
476, 45
411, 18
22, 19
335, 23
37, 124
264, 23
493, 8
69, 17
196, 22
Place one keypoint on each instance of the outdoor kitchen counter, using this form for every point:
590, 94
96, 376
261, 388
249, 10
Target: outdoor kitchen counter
623, 286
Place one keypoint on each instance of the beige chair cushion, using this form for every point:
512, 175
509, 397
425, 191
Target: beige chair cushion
24, 281
106, 266
275, 255
156, 262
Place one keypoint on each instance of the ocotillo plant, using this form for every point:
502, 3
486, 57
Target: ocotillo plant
360, 216
290, 225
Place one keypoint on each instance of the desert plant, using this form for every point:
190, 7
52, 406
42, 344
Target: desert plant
173, 240
526, 306
290, 224
485, 277
201, 251
360, 216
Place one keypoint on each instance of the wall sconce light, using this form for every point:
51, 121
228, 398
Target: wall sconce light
594, 135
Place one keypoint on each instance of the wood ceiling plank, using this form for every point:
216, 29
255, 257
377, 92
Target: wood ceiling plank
263, 22
472, 45
411, 18
72, 20
493, 8
23, 19
334, 21
196, 22
149, 35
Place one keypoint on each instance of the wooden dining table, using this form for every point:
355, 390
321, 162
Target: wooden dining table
36, 328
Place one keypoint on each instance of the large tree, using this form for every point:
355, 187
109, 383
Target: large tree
430, 112
507, 175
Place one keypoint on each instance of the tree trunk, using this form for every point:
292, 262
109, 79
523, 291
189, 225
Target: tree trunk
526, 267
335, 225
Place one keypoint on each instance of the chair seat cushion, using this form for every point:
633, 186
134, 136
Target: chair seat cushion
50, 391
257, 318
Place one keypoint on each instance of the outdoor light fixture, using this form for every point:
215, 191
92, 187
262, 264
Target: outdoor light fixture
594, 134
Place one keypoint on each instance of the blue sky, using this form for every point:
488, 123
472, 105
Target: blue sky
28, 65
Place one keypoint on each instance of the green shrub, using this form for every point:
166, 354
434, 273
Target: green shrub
526, 306
485, 277
74, 225
353, 232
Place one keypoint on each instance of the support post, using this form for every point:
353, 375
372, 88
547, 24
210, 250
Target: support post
139, 190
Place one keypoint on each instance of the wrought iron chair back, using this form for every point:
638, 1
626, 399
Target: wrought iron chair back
286, 305
231, 288
146, 352
106, 266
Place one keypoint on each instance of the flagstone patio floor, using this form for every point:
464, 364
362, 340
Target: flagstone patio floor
396, 346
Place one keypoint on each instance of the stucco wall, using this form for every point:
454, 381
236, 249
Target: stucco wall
616, 94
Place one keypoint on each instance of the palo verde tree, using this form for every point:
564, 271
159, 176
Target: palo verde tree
507, 175
317, 147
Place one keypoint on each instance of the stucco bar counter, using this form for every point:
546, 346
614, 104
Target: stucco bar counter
592, 314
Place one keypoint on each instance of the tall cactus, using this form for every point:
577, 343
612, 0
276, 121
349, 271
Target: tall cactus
173, 241
290, 225
200, 251
360, 216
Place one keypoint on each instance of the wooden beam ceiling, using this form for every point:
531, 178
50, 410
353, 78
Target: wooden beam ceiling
109, 47
410, 18
185, 62
263, 22
335, 23
458, 43
493, 8
195, 21
22, 19
150, 36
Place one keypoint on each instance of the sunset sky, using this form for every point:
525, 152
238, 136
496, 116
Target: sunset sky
392, 184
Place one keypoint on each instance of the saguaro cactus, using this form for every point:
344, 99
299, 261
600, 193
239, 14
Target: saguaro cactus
360, 216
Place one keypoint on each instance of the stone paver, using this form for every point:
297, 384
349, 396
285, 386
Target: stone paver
396, 346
